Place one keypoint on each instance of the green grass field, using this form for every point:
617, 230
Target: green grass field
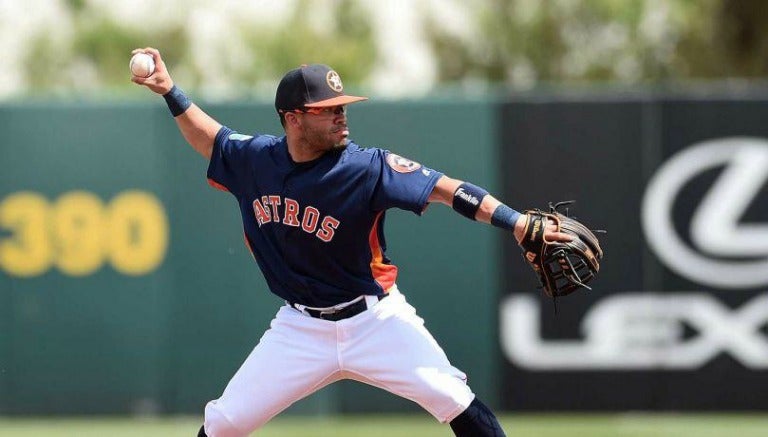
602, 425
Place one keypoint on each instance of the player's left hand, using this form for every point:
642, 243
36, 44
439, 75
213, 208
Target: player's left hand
565, 254
551, 232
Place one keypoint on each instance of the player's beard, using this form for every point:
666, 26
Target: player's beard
341, 144
326, 140
335, 133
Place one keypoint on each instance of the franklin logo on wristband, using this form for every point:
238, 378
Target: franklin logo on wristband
468, 197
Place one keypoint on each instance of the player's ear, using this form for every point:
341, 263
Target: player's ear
292, 119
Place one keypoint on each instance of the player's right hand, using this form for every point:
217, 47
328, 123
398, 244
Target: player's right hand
160, 81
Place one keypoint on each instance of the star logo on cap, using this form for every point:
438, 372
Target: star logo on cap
334, 81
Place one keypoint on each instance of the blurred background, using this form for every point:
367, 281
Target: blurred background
127, 297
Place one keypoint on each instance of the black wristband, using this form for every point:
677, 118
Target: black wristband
177, 101
467, 199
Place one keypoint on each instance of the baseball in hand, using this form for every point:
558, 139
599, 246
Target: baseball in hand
142, 65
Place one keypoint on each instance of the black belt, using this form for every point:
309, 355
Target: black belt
344, 313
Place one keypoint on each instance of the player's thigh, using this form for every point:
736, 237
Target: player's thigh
397, 353
294, 358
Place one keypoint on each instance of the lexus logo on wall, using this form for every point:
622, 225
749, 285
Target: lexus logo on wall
722, 249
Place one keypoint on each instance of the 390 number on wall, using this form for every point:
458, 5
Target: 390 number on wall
77, 233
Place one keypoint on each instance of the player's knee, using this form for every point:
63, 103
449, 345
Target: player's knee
218, 425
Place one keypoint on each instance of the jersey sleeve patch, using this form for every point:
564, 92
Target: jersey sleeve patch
402, 165
239, 137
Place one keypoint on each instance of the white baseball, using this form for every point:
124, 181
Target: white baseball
142, 65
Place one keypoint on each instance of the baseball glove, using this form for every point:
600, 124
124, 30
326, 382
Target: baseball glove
562, 267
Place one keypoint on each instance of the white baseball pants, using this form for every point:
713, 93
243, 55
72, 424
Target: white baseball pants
386, 346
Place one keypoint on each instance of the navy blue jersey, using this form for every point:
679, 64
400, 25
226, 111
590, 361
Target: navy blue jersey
316, 228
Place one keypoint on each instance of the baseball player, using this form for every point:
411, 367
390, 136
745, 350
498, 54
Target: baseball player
313, 206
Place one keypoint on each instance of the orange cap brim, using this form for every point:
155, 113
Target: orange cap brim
336, 101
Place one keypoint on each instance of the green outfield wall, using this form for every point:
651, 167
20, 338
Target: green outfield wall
125, 286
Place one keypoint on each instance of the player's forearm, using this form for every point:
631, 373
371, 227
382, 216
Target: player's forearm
447, 191
199, 129
486, 209
477, 204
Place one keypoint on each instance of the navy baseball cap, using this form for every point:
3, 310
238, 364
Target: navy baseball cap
311, 86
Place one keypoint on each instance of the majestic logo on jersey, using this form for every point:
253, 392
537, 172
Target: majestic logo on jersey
334, 81
268, 209
402, 165
240, 137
